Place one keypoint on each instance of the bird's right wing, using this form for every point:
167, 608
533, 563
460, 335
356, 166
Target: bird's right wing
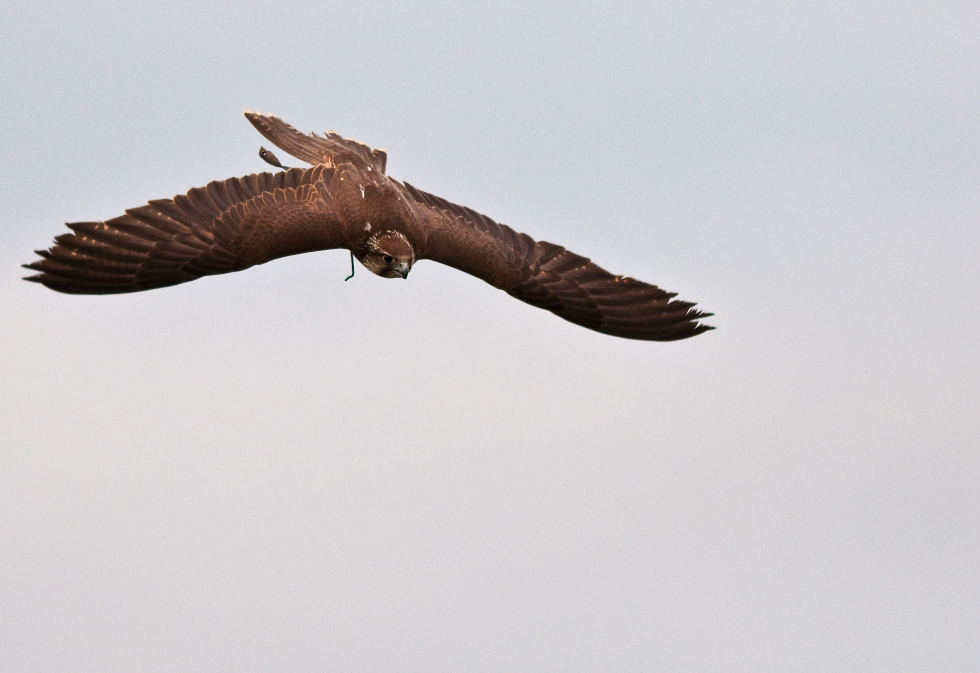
330, 149
228, 225
550, 277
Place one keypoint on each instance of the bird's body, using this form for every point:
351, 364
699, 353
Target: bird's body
345, 200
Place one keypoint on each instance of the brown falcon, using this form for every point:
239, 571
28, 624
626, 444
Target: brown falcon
346, 201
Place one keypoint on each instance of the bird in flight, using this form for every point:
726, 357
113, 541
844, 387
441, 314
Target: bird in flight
345, 201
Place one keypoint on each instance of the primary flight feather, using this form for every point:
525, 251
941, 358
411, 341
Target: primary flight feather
345, 200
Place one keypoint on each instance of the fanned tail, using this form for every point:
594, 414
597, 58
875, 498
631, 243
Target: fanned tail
330, 149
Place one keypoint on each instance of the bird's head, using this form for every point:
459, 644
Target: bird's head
388, 254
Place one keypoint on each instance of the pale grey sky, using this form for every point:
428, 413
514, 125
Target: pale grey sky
276, 470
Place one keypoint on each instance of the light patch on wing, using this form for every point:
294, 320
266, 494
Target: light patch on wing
367, 227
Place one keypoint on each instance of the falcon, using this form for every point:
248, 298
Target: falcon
345, 201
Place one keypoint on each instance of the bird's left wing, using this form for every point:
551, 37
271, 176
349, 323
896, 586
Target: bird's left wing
228, 225
549, 276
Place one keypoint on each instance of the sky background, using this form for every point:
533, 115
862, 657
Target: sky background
279, 471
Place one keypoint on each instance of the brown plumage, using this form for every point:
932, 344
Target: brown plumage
346, 201
268, 157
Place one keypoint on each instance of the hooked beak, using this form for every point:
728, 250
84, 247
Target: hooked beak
402, 270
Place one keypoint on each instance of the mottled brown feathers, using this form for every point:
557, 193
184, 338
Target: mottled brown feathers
346, 201
550, 277
225, 226
329, 149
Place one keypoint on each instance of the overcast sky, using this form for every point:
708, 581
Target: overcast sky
279, 471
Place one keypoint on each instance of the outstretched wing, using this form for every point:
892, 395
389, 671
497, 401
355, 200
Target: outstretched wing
226, 226
330, 149
550, 277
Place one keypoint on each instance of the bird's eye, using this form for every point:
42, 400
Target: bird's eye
388, 259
